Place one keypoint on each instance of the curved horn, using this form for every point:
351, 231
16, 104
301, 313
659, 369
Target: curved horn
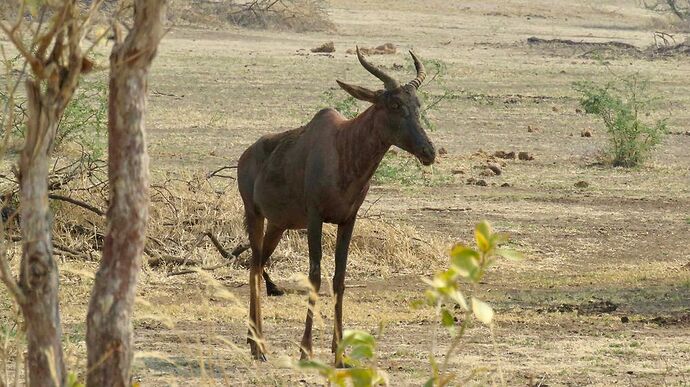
421, 72
388, 82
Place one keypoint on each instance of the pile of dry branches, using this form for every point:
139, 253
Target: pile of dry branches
196, 223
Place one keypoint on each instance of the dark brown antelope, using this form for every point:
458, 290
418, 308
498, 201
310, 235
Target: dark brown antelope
320, 173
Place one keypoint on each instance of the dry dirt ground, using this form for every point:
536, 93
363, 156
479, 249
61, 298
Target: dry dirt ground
610, 252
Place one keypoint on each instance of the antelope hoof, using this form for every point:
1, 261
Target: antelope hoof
257, 354
304, 355
272, 290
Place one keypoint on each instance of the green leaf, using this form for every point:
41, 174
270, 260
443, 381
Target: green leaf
362, 344
361, 352
482, 311
464, 260
362, 377
447, 319
430, 382
510, 254
482, 234
354, 336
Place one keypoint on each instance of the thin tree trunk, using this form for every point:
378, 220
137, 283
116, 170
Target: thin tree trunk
38, 278
109, 324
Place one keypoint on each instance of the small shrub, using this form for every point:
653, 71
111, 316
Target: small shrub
360, 366
621, 106
348, 106
85, 120
446, 296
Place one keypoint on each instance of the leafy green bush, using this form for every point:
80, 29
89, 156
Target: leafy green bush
621, 106
84, 122
85, 119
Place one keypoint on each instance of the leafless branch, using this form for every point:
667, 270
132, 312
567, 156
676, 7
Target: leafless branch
216, 173
78, 203
7, 277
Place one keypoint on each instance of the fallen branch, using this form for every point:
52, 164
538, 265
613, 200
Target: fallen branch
191, 271
78, 203
239, 249
170, 259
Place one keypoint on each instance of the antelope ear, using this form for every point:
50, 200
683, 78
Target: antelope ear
359, 92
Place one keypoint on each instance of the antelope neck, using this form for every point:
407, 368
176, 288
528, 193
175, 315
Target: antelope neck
361, 145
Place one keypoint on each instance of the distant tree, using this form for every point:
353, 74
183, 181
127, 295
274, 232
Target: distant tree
680, 8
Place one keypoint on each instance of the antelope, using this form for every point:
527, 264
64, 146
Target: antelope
320, 173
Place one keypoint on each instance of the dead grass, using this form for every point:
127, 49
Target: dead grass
294, 15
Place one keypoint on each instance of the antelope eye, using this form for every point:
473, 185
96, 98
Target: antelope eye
395, 105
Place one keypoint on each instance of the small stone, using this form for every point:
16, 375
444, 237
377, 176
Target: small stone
525, 156
578, 111
495, 168
471, 180
581, 184
326, 47
505, 185
481, 183
532, 129
554, 108
457, 172
505, 155
487, 172
625, 319
586, 133
442, 151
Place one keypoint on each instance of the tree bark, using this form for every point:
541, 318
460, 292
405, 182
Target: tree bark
38, 275
109, 326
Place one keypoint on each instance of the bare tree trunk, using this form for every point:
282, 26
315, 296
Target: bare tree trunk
109, 325
38, 278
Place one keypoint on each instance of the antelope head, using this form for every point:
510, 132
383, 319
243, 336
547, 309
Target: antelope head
401, 108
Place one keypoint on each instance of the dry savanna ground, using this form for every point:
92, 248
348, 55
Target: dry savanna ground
604, 295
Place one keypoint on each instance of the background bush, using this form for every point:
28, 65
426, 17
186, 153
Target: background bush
621, 106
